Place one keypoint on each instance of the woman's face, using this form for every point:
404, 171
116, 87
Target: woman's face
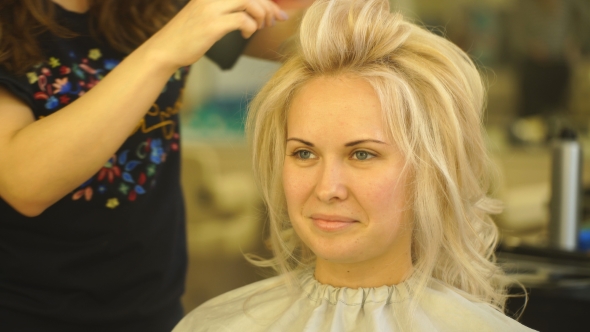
342, 175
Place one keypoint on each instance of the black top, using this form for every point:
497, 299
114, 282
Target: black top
113, 250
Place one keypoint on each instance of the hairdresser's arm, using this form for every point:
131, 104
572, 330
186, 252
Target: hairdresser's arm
269, 43
42, 161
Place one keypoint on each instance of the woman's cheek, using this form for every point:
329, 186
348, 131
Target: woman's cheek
294, 185
382, 197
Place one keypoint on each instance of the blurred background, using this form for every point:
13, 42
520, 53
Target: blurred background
535, 58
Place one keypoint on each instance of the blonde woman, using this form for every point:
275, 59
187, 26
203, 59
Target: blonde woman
368, 148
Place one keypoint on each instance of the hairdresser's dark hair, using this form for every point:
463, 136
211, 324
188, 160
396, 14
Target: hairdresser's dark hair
123, 24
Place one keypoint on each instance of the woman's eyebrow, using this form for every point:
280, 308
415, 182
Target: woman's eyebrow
353, 143
300, 140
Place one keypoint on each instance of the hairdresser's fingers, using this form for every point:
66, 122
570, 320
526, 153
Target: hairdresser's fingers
268, 12
274, 13
241, 21
261, 10
257, 10
294, 4
265, 12
254, 8
218, 17
279, 12
230, 6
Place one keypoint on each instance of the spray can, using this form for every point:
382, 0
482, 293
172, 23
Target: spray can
566, 191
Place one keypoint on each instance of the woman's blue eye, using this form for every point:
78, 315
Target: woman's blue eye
303, 154
362, 155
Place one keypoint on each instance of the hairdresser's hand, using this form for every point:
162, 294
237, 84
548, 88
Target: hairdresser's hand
294, 4
203, 22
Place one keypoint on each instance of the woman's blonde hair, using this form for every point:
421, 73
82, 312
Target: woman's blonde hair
433, 99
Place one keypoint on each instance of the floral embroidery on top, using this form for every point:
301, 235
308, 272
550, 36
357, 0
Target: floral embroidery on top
112, 203
59, 90
127, 173
53, 62
131, 171
94, 54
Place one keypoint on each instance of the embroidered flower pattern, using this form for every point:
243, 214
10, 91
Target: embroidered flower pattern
84, 191
109, 171
59, 84
53, 62
131, 172
32, 77
112, 203
94, 54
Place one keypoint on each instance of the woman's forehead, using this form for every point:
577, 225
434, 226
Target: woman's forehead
336, 108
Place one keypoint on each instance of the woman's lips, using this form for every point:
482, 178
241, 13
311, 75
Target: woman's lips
331, 223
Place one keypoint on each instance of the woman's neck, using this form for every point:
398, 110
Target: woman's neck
365, 274
76, 6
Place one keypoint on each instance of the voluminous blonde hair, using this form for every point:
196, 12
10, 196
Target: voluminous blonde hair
432, 98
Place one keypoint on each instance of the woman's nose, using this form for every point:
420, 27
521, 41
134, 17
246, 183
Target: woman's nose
330, 184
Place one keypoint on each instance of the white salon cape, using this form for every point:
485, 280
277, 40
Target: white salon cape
269, 306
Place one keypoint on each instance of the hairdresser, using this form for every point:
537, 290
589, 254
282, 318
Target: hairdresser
92, 229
